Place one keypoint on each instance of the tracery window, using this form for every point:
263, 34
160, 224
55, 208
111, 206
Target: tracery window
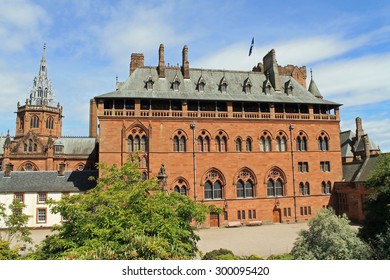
301, 142
281, 142
137, 140
265, 142
245, 184
275, 183
323, 143
203, 142
213, 186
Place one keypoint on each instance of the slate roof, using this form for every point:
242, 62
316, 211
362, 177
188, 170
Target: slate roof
359, 171
347, 143
78, 145
134, 87
47, 181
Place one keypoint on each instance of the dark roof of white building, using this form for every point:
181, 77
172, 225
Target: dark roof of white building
47, 181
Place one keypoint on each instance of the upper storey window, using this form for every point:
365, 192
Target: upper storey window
223, 85
301, 142
34, 122
323, 142
49, 123
201, 84
288, 88
149, 84
247, 86
175, 83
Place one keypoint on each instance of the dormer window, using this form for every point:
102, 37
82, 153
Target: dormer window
201, 84
267, 89
247, 86
176, 83
288, 88
58, 147
149, 84
223, 85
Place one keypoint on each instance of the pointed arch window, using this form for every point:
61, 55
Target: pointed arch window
220, 142
131, 143
301, 142
49, 123
281, 143
247, 86
175, 144
149, 84
143, 144
323, 143
203, 143
213, 186
245, 184
265, 144
304, 188
176, 83
34, 122
201, 84
248, 145
137, 140
30, 145
181, 190
275, 183
40, 92
326, 188
238, 145
182, 144
223, 85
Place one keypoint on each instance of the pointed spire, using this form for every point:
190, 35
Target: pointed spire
41, 92
313, 87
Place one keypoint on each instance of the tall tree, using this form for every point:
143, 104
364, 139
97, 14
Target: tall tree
376, 226
329, 237
124, 217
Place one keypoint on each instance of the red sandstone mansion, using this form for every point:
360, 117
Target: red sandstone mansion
257, 143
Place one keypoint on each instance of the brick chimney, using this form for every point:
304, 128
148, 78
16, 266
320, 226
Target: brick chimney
161, 62
61, 171
359, 128
185, 68
137, 60
271, 67
367, 151
8, 168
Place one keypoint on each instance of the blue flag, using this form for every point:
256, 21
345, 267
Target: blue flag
251, 48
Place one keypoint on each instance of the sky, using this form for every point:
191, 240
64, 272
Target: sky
345, 43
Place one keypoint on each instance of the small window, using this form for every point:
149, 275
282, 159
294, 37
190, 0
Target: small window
42, 197
19, 196
41, 215
325, 166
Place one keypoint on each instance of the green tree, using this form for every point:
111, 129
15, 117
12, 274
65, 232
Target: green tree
16, 231
376, 229
329, 237
124, 217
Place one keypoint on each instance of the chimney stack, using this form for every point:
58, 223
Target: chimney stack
8, 168
366, 146
161, 62
137, 60
359, 128
61, 171
271, 66
185, 69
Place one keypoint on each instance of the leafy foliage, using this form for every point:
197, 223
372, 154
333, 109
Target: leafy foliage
16, 230
329, 237
124, 217
376, 229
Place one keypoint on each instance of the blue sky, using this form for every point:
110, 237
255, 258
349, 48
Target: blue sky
346, 43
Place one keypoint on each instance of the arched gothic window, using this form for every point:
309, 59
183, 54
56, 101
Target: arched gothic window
213, 186
137, 140
34, 122
275, 183
281, 143
245, 184
175, 144
203, 143
248, 143
323, 144
49, 123
304, 188
326, 188
238, 145
220, 142
265, 144
301, 142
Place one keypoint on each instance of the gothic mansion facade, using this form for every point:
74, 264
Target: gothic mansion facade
258, 144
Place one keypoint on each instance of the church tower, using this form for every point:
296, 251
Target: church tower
40, 115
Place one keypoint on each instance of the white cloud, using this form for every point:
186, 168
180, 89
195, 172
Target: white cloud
357, 81
21, 22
